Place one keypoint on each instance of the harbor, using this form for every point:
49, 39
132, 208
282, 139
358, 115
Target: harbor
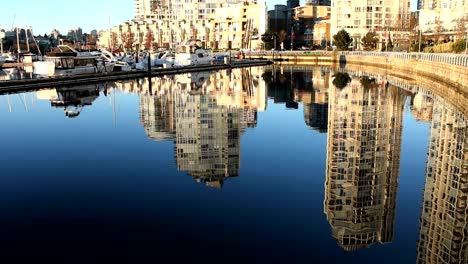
37, 83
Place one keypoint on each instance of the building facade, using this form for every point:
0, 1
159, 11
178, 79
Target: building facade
217, 24
442, 17
312, 25
362, 16
277, 18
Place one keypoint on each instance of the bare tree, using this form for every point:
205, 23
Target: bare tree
282, 36
113, 41
149, 39
128, 39
438, 29
461, 27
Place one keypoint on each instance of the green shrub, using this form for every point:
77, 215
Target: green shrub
459, 45
429, 49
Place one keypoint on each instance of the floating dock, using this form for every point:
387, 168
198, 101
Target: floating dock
34, 84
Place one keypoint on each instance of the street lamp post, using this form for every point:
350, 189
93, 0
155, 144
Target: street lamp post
466, 43
466, 40
2, 35
420, 33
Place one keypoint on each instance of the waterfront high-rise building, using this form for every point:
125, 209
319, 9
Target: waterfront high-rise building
444, 217
149, 8
363, 157
318, 2
217, 24
437, 16
292, 3
277, 18
358, 17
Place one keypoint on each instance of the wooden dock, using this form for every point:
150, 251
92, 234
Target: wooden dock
16, 64
34, 84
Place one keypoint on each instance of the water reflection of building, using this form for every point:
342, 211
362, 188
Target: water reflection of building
207, 138
363, 154
205, 121
421, 107
290, 86
71, 99
316, 108
444, 219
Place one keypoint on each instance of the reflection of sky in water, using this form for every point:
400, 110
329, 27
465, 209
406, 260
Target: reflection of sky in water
118, 175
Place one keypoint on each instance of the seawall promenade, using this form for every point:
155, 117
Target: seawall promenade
451, 69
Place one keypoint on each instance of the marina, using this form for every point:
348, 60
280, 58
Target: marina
36, 83
240, 131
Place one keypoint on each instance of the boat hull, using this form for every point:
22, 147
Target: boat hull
47, 68
2, 61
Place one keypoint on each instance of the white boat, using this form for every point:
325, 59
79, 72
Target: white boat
10, 57
119, 64
164, 59
190, 53
64, 61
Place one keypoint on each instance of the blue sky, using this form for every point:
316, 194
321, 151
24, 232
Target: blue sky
46, 15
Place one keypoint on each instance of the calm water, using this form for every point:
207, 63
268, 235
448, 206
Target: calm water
296, 165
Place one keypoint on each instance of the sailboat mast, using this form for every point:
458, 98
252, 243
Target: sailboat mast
17, 37
26, 31
109, 26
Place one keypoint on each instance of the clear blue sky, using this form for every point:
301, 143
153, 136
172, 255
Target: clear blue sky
46, 15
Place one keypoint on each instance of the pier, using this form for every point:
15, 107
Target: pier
33, 84
294, 57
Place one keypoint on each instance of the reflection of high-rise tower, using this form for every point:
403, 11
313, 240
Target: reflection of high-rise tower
421, 107
444, 220
363, 154
316, 109
207, 138
157, 117
205, 123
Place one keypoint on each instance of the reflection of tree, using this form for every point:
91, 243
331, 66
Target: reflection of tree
368, 83
341, 80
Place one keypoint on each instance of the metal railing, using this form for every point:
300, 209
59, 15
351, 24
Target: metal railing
453, 59
289, 53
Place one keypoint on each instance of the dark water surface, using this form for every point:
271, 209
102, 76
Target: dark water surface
291, 165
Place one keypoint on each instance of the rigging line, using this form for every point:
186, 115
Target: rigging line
7, 99
23, 102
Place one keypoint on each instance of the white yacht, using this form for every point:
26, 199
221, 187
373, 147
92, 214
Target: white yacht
163, 59
190, 53
65, 60
119, 65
